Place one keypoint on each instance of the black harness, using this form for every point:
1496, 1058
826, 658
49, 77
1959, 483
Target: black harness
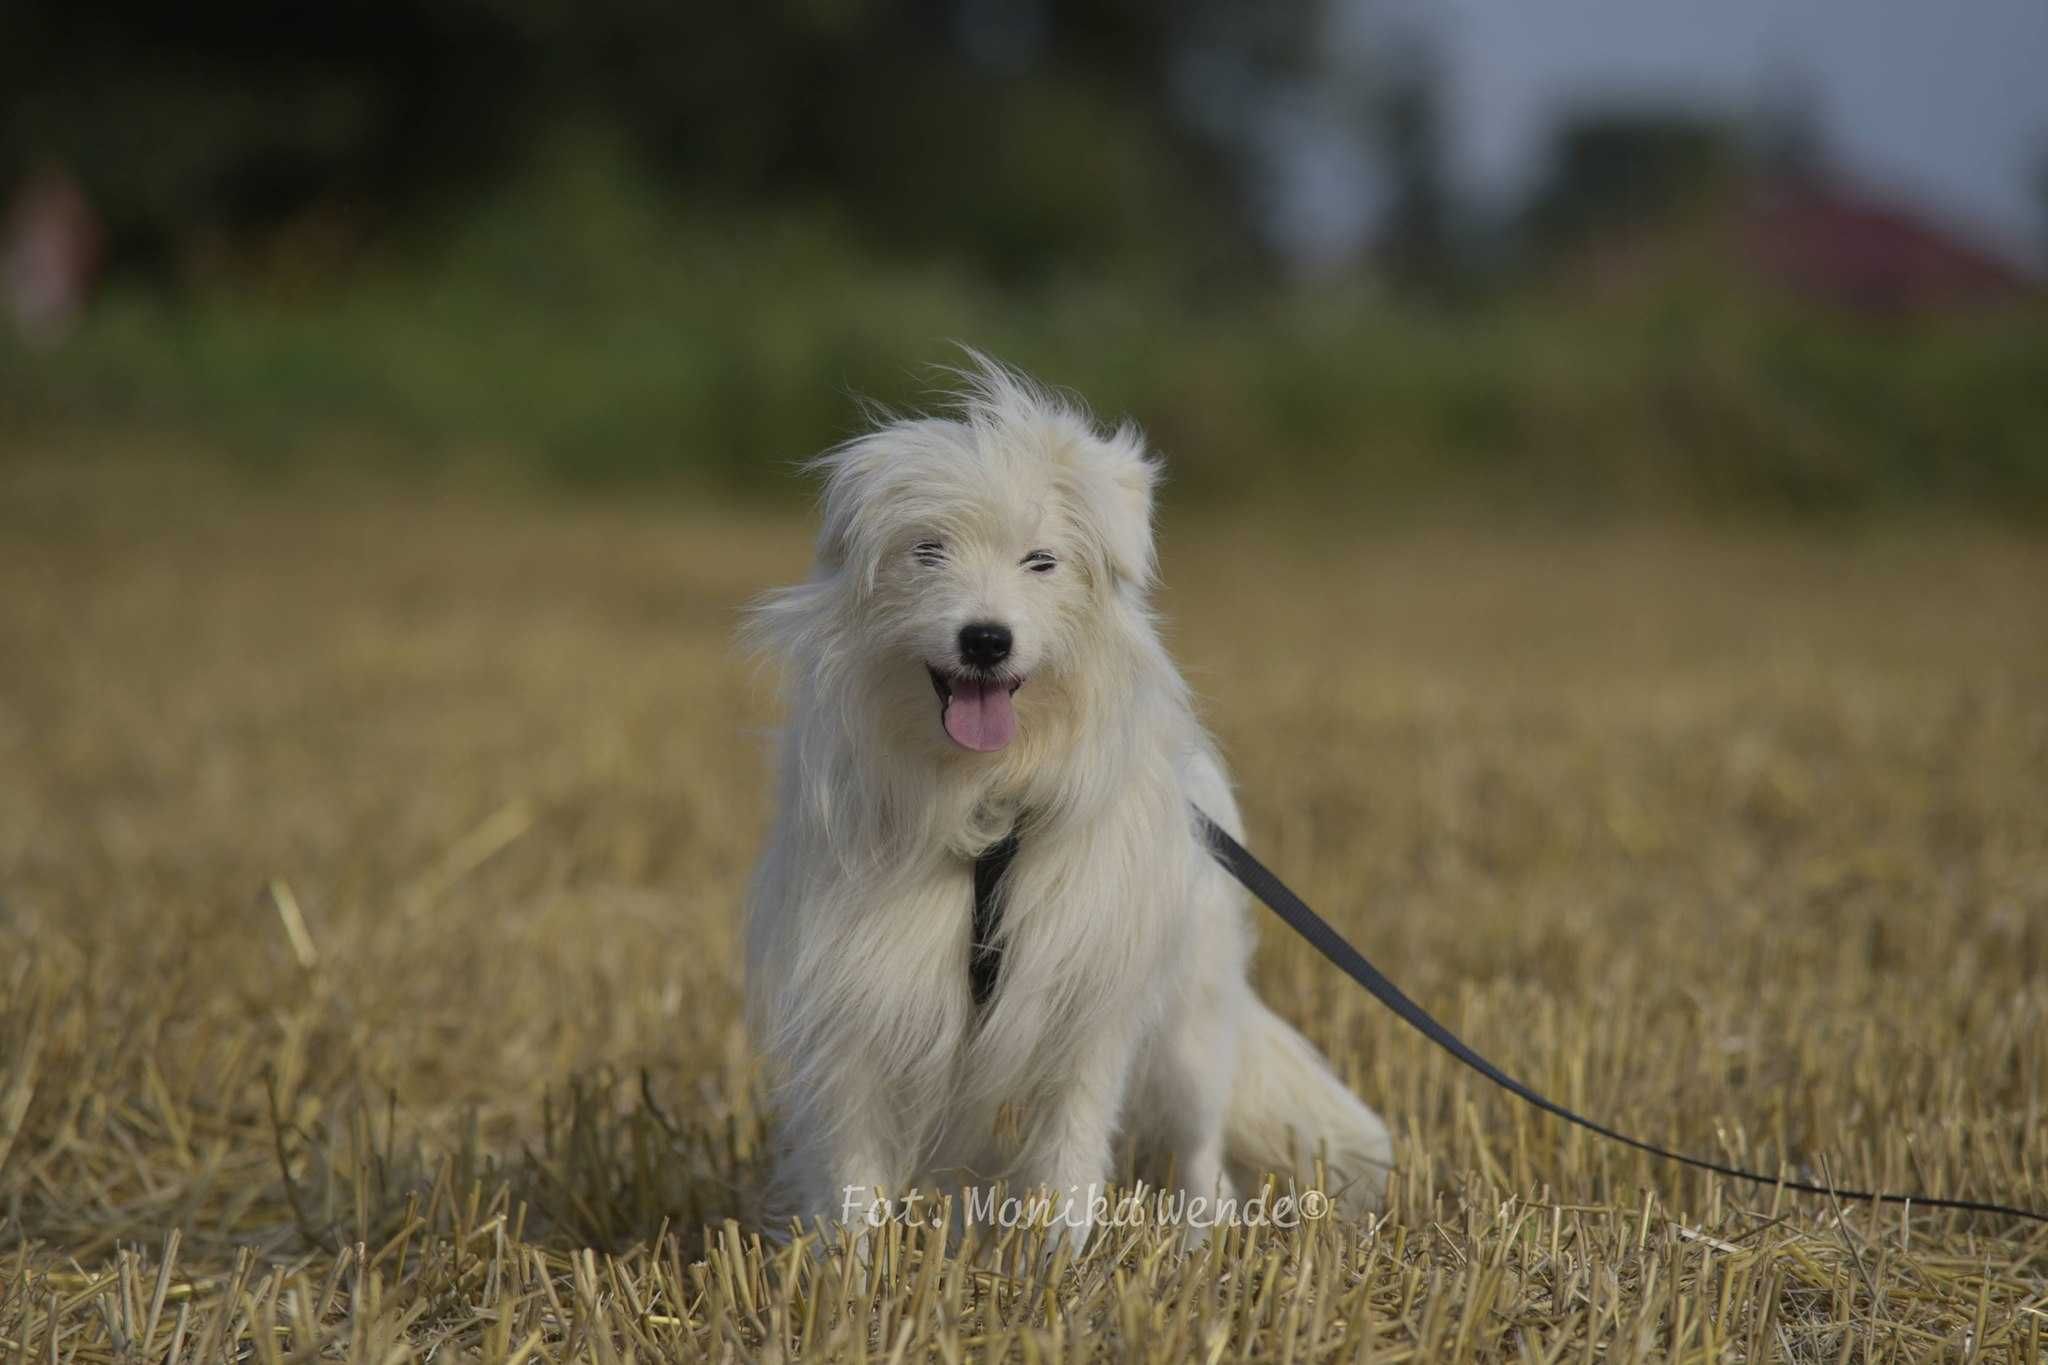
985, 955
985, 966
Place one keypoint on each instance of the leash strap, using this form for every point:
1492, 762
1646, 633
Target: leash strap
1260, 881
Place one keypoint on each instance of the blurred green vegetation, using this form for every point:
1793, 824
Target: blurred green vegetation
646, 245
578, 326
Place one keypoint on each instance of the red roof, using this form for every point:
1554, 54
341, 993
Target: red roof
1822, 242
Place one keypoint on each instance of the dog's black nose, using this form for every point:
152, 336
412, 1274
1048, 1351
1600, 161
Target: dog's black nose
984, 644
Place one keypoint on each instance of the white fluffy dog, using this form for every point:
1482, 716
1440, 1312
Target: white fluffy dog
973, 655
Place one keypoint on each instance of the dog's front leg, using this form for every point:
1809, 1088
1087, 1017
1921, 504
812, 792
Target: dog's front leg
846, 1159
1071, 1154
864, 1189
853, 1180
1184, 1098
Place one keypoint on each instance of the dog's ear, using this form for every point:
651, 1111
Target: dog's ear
1118, 508
852, 473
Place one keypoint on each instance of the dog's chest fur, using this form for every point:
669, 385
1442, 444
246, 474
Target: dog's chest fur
1082, 910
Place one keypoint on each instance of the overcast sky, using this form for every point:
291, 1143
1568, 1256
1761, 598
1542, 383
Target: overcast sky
1943, 102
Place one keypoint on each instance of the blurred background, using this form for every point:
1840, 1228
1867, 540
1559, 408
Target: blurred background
1592, 257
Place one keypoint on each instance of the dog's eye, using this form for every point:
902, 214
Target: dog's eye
928, 552
1040, 561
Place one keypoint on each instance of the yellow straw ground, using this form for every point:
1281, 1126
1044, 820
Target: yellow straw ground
370, 864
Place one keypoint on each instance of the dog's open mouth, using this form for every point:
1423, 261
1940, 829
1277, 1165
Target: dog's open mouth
976, 709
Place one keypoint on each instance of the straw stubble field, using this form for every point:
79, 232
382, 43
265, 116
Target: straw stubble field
369, 867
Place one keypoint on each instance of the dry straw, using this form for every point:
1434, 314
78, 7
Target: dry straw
367, 878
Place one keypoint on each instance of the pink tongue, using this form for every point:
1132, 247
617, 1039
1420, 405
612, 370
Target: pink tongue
979, 716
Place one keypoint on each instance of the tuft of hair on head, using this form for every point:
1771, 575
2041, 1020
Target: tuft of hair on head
986, 389
1107, 475
1104, 476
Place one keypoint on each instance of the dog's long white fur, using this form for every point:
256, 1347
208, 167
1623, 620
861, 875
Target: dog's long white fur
1124, 1007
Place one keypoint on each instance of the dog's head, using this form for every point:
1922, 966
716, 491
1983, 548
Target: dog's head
973, 561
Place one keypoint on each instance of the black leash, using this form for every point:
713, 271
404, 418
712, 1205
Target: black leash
1260, 881
985, 964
